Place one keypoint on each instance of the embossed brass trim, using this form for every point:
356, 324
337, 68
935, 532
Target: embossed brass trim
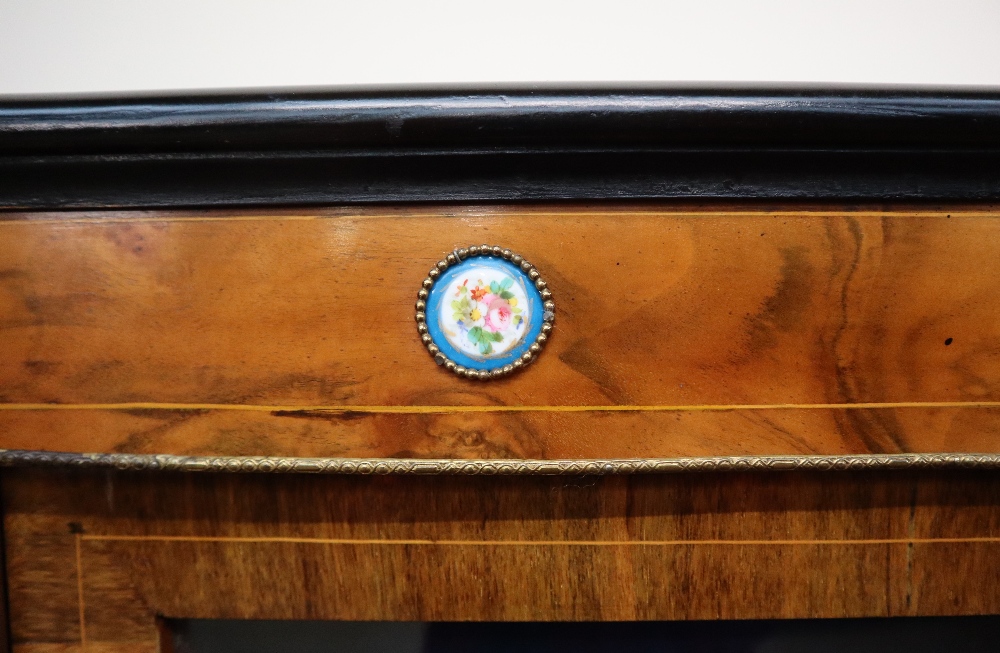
372, 466
456, 257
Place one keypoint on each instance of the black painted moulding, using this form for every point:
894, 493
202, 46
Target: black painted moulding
516, 144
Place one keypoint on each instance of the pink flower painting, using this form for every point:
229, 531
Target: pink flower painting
488, 314
498, 314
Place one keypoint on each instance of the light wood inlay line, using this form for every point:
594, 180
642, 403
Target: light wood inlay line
79, 590
497, 409
624, 213
402, 542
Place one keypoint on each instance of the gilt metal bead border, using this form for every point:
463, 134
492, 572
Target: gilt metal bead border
415, 466
494, 251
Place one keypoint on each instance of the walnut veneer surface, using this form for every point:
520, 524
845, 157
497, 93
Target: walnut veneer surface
679, 332
96, 556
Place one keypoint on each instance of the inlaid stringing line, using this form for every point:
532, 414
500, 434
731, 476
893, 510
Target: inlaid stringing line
429, 542
506, 214
79, 590
417, 410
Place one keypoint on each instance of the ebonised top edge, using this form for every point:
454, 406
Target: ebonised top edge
625, 117
299, 147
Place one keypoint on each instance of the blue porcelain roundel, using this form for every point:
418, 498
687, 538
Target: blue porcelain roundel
484, 312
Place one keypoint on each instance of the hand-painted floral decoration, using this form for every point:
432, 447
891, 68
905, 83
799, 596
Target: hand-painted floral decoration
484, 312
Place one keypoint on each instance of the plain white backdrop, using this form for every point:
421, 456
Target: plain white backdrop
62, 46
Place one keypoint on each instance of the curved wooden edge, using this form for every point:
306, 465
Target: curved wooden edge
533, 117
311, 148
413, 466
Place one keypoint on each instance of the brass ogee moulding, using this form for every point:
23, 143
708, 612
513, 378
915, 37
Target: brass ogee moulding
498, 467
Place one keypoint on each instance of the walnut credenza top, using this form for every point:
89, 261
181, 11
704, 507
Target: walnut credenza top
743, 279
683, 334
697, 328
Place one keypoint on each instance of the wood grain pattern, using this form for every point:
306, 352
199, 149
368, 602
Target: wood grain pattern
666, 308
694, 546
635, 582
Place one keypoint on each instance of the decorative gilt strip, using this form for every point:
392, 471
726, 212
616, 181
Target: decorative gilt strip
371, 466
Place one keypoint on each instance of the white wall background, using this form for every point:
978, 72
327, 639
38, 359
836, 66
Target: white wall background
53, 46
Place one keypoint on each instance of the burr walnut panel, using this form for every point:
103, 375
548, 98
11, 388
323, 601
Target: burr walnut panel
680, 332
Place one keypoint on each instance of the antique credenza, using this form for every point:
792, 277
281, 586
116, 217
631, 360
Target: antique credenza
771, 388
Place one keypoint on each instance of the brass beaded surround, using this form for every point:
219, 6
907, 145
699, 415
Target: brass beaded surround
454, 258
